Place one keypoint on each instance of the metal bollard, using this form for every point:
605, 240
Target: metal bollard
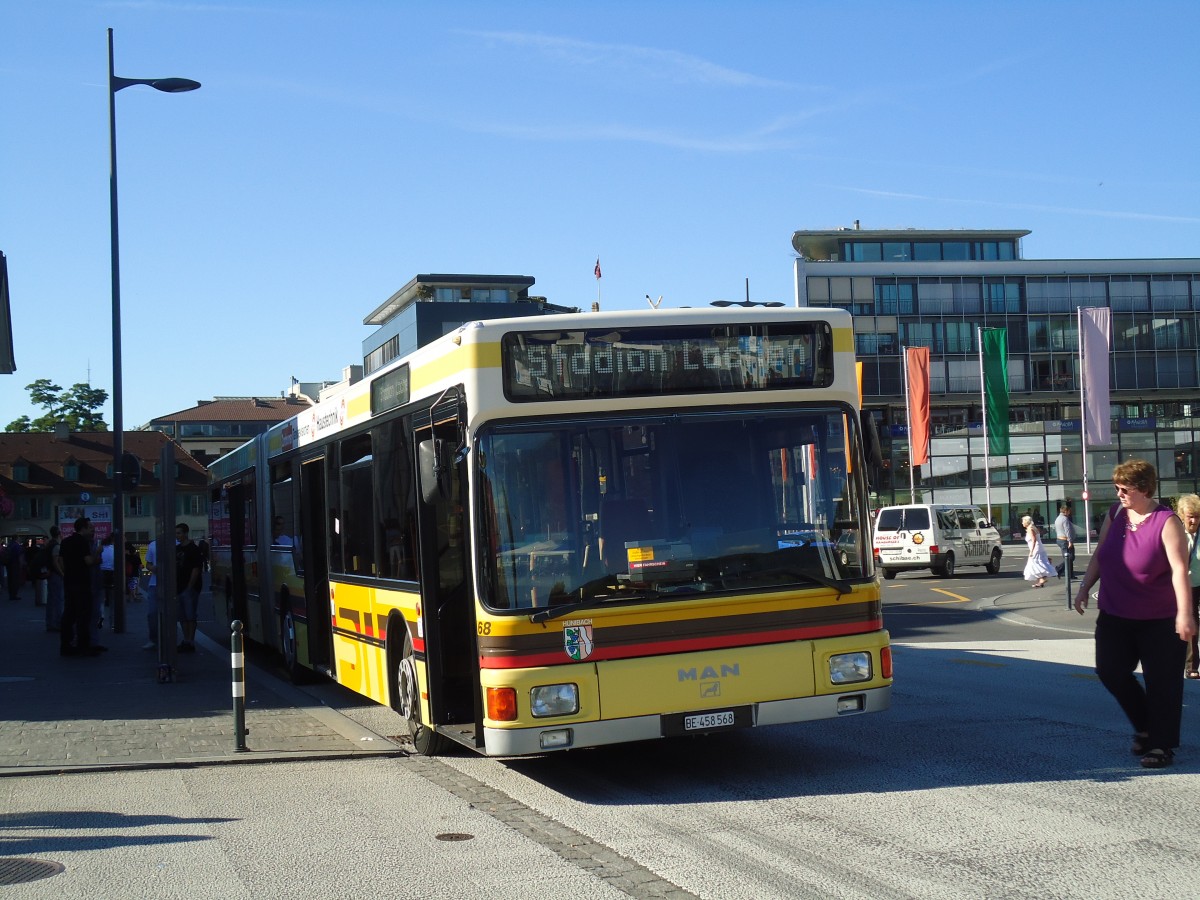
239, 686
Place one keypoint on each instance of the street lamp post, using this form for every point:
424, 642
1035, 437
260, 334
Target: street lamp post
115, 83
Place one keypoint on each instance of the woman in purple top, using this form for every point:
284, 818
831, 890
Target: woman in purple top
1145, 610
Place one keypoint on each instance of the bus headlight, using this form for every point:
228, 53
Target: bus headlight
554, 700
847, 668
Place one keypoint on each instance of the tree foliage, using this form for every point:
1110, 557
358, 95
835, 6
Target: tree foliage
78, 407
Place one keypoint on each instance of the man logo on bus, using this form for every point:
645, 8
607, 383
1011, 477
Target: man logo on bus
578, 641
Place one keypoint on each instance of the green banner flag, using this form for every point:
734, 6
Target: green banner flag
994, 349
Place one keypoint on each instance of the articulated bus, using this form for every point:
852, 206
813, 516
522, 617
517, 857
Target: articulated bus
573, 530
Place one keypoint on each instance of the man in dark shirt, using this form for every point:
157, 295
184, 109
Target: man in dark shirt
188, 567
75, 554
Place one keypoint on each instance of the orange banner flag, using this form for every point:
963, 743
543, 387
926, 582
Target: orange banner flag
918, 405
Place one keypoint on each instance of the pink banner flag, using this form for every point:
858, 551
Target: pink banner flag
597, 268
918, 405
1095, 329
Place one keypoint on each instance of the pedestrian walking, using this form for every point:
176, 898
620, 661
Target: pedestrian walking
152, 596
1145, 617
54, 583
1188, 510
78, 564
14, 563
188, 571
39, 571
1064, 536
1037, 566
133, 572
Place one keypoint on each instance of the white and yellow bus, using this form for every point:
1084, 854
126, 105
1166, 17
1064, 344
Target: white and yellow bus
566, 531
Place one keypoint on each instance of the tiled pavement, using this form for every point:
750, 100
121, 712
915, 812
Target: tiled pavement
60, 713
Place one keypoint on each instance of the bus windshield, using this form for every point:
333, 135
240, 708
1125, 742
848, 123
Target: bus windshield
647, 508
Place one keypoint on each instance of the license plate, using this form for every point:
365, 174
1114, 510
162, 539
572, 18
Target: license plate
701, 721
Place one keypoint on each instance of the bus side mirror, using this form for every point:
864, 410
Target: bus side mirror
431, 459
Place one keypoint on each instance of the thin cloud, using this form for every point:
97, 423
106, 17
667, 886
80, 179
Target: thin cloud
1032, 207
753, 142
666, 65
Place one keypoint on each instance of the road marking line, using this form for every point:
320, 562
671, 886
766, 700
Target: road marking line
958, 598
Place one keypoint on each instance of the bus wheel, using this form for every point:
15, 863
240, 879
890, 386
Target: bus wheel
993, 565
287, 647
406, 700
947, 568
889, 574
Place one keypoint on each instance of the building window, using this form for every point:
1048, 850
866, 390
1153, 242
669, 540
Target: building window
190, 504
140, 505
20, 472
1167, 294
866, 251
897, 252
927, 251
874, 344
1003, 297
71, 471
33, 508
1129, 294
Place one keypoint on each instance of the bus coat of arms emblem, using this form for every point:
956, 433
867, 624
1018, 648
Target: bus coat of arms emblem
578, 641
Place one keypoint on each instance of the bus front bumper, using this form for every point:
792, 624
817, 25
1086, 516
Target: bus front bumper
548, 738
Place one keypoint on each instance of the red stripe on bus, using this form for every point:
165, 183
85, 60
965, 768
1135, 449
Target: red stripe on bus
687, 645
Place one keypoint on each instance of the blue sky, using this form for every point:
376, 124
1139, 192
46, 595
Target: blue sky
337, 149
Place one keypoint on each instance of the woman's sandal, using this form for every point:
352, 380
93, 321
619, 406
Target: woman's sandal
1157, 759
1139, 746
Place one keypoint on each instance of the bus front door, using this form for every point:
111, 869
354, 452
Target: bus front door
452, 655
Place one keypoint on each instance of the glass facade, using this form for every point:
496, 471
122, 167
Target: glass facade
1155, 353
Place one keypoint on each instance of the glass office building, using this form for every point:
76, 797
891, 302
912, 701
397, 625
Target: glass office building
935, 289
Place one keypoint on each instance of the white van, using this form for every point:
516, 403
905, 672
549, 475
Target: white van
936, 537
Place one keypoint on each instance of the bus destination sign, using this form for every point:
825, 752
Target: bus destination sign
390, 390
637, 362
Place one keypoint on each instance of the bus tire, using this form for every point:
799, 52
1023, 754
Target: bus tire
946, 570
993, 565
889, 574
406, 698
287, 644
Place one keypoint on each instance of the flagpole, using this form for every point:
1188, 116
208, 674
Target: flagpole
912, 485
987, 468
1087, 516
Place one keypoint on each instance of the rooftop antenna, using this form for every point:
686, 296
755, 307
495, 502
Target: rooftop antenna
654, 304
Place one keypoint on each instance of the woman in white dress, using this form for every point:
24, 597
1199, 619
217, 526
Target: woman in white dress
1038, 568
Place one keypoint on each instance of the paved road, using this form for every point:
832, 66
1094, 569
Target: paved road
1002, 770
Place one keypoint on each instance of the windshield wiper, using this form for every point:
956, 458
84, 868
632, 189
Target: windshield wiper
748, 566
838, 584
555, 612
613, 595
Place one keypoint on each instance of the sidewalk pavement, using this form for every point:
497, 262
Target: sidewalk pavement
1051, 606
61, 714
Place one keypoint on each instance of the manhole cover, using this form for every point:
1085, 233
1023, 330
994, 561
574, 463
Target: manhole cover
454, 836
14, 870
